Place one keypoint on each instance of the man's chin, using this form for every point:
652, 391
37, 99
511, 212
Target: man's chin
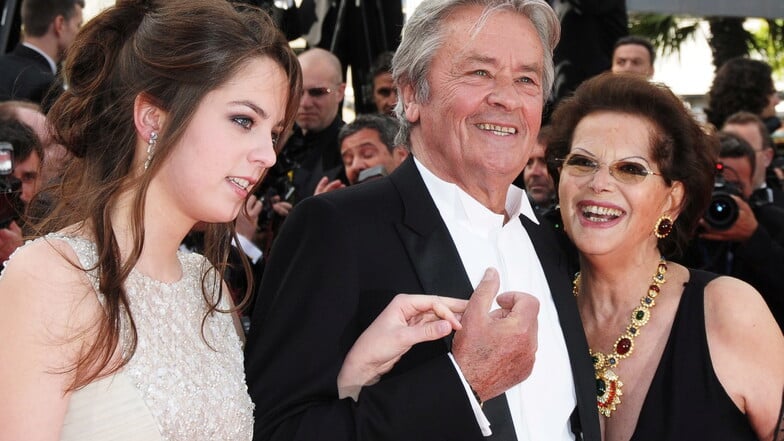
538, 196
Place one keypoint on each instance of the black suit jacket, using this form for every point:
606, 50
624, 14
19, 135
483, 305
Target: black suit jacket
589, 30
26, 75
340, 259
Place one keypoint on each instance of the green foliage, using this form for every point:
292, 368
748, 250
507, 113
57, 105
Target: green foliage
729, 39
666, 32
768, 42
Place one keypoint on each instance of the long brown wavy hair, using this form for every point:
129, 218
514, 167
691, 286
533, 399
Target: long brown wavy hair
175, 52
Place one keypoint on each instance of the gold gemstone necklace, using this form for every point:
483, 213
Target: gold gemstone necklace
608, 385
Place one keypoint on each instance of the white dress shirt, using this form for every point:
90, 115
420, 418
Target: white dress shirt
542, 404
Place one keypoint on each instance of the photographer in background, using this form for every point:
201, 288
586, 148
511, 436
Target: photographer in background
368, 142
309, 161
739, 236
384, 92
19, 184
535, 178
751, 128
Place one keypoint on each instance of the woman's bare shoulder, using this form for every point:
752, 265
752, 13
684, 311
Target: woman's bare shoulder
747, 350
730, 302
47, 274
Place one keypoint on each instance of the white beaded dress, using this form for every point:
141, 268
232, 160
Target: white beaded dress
175, 387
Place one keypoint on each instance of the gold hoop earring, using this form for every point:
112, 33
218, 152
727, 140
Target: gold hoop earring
150, 149
663, 226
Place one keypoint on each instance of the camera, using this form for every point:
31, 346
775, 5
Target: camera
372, 173
722, 211
11, 205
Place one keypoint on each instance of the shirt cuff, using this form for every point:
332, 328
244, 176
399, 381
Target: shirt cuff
252, 251
481, 419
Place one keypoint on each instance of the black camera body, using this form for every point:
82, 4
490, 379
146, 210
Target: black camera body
722, 211
11, 205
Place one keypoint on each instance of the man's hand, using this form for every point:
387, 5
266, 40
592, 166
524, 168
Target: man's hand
246, 225
325, 185
740, 231
495, 350
406, 321
281, 208
10, 240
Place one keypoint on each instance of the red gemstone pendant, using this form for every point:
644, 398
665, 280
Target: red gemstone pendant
623, 346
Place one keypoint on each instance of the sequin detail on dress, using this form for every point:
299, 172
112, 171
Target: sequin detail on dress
194, 391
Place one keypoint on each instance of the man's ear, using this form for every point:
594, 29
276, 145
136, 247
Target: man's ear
148, 117
767, 157
57, 25
400, 153
342, 91
410, 104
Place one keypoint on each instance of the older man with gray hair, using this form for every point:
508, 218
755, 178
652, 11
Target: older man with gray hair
472, 77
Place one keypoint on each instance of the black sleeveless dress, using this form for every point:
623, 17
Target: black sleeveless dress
686, 401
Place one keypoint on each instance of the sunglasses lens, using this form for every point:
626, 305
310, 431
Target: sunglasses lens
629, 172
318, 91
580, 165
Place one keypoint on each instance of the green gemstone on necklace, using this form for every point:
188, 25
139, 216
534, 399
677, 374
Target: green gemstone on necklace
608, 385
601, 387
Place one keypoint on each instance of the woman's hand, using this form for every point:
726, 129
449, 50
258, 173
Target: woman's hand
407, 320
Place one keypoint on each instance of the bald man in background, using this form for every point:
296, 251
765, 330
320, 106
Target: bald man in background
310, 161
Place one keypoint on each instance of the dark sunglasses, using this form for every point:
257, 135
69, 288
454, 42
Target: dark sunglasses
316, 92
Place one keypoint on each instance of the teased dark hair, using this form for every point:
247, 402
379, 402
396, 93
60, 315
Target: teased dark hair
739, 84
679, 146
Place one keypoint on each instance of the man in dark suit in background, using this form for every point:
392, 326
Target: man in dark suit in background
590, 30
471, 109
309, 161
29, 72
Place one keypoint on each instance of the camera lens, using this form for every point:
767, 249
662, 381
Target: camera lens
722, 211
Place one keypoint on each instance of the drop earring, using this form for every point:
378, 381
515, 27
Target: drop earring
150, 148
663, 226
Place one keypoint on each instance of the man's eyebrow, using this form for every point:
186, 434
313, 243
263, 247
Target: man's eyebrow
482, 59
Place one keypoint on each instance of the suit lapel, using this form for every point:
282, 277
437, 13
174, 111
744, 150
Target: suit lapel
440, 271
439, 267
426, 238
555, 269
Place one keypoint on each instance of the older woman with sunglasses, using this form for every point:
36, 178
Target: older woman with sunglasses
679, 354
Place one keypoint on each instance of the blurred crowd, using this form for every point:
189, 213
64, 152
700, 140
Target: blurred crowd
740, 234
